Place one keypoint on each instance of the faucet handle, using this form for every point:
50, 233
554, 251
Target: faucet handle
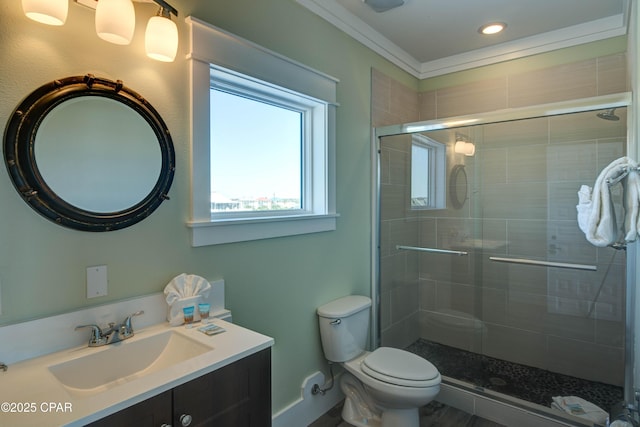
96, 333
127, 329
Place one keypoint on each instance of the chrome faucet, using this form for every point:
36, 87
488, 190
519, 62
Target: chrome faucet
115, 333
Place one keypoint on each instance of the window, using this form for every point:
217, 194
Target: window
262, 144
428, 173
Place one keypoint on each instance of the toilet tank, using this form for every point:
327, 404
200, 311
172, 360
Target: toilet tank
344, 327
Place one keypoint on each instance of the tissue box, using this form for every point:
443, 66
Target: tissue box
175, 315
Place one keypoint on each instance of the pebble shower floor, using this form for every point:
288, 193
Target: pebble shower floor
520, 381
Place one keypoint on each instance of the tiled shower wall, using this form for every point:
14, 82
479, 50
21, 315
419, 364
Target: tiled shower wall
531, 315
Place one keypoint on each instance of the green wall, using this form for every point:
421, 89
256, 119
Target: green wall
272, 286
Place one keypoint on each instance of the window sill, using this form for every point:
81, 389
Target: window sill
218, 232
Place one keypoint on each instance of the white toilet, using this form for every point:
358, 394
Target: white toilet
383, 388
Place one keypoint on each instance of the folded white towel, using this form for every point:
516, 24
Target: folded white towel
580, 408
596, 213
182, 291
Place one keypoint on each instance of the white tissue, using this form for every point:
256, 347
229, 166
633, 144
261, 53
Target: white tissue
186, 285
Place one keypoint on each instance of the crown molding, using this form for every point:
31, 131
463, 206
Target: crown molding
567, 37
336, 14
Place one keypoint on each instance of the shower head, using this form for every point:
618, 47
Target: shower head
609, 115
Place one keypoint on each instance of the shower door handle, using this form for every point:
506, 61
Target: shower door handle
544, 263
432, 250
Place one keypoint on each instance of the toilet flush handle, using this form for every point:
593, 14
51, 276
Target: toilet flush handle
336, 322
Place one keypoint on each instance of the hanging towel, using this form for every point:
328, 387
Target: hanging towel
580, 408
596, 213
182, 291
631, 203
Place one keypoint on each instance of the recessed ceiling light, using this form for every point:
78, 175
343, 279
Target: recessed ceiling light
492, 28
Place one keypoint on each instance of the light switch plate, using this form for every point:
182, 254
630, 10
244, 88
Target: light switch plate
97, 281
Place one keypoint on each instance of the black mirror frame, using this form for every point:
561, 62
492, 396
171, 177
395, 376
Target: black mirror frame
456, 172
19, 140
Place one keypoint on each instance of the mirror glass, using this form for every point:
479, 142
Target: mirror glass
107, 161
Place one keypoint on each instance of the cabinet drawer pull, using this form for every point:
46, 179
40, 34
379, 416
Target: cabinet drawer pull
185, 419
165, 425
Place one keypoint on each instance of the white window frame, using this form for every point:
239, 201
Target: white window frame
437, 170
231, 60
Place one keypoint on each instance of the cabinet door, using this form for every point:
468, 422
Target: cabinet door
238, 395
153, 412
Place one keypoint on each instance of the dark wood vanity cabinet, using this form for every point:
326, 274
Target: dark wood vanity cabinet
237, 395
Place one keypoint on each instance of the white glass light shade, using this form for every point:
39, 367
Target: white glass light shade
161, 39
470, 149
464, 147
459, 147
50, 12
115, 21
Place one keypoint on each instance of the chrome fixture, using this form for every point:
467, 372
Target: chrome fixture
114, 334
383, 5
115, 22
609, 115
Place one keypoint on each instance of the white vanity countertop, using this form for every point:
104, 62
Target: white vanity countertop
30, 386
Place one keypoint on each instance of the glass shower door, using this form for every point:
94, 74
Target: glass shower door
497, 286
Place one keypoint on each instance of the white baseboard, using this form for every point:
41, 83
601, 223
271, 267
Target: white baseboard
309, 407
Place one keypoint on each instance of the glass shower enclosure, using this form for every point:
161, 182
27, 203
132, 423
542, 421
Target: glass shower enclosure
479, 261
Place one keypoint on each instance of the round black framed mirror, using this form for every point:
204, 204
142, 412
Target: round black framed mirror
458, 186
89, 153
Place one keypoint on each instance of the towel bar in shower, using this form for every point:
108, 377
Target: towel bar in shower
544, 263
433, 250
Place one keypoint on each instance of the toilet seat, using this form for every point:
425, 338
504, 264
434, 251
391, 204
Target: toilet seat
400, 367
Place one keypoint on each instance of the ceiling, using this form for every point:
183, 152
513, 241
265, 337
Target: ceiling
433, 37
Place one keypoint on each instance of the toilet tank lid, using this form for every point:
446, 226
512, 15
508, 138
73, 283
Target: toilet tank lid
344, 306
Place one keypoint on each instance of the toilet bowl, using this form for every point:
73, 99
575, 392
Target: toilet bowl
385, 387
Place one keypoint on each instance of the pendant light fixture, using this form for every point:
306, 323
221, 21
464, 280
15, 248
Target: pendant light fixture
161, 35
50, 12
115, 21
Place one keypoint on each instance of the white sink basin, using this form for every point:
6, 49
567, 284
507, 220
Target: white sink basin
115, 364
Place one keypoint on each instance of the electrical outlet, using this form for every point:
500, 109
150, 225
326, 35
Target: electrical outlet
97, 281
